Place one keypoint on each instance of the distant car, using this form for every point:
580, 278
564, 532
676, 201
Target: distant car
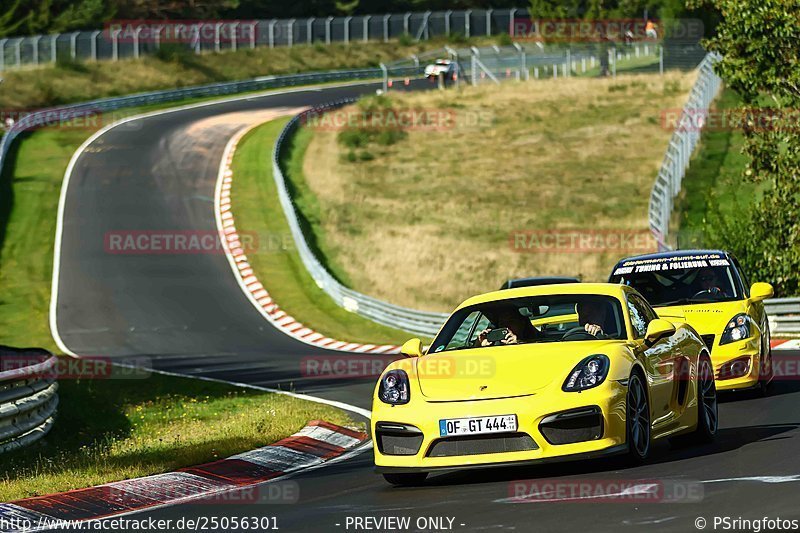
710, 291
539, 374
442, 66
536, 281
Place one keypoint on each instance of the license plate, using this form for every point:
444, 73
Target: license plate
477, 425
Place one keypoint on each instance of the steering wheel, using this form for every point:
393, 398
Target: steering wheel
578, 334
713, 292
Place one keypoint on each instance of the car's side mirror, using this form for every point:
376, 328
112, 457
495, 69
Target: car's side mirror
412, 348
761, 291
657, 329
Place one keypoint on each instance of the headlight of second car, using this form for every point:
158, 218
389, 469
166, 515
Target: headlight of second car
394, 388
589, 373
736, 329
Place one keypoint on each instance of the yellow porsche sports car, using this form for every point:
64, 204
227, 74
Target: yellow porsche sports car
709, 290
544, 373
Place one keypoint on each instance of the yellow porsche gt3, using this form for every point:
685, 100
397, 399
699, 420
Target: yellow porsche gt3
709, 290
545, 373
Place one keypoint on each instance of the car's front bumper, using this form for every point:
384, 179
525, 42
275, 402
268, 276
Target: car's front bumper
723, 356
606, 401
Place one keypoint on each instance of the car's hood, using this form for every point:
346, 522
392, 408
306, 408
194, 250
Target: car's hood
501, 371
707, 319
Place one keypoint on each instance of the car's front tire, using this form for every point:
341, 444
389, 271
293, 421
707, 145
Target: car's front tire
765, 380
406, 480
637, 420
707, 406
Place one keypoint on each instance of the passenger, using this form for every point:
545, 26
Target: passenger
519, 328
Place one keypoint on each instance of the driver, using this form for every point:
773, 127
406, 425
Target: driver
708, 282
519, 328
591, 316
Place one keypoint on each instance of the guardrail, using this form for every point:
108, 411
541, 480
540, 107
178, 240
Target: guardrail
28, 396
679, 152
784, 315
59, 114
411, 320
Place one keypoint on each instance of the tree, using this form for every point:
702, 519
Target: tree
760, 47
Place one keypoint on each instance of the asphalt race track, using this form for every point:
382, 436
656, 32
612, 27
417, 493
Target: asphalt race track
187, 314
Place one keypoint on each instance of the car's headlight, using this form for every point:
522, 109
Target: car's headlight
394, 388
589, 373
737, 328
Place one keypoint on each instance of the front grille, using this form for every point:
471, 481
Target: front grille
482, 444
709, 340
578, 425
398, 439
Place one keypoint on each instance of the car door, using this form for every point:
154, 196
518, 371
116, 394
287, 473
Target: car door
659, 360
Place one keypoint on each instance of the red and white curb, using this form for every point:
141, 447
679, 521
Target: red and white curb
317, 443
785, 344
247, 279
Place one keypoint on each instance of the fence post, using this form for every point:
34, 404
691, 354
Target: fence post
73, 45
523, 62
94, 44
447, 22
157, 37
290, 32
3, 54
136, 41
474, 66
36, 39
115, 45
423, 31
328, 30
416, 60
365, 29
661, 60
234, 36
511, 13
568, 72
347, 29
18, 52
253, 27
271, 32
467, 15
489, 22
386, 28
385, 72
309, 29
406, 18
53, 47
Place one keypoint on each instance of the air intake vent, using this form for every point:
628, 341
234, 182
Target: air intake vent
482, 444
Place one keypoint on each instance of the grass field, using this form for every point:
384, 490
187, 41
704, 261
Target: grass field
434, 209
110, 430
75, 82
714, 185
256, 209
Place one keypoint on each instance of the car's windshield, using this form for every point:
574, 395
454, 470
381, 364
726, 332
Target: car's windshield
532, 319
680, 281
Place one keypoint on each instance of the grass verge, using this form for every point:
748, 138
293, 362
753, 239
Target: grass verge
714, 184
433, 209
257, 211
109, 430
